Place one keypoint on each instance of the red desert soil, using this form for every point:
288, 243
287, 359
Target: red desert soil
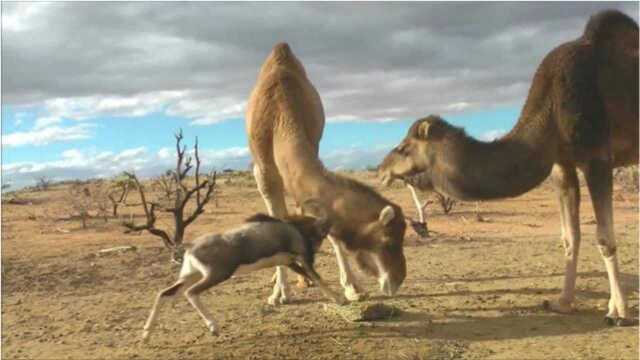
473, 291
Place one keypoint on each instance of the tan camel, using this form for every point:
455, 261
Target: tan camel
285, 120
581, 112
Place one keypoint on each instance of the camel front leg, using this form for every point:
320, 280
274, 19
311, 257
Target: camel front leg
599, 176
565, 181
352, 291
272, 190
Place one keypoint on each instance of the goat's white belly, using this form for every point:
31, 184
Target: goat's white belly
275, 260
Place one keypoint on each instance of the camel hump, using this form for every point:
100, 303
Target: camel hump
282, 52
607, 25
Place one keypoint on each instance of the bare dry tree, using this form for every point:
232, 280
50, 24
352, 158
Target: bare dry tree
78, 198
43, 183
166, 184
203, 189
445, 202
119, 192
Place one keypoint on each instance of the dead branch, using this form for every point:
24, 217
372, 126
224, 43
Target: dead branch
150, 215
445, 202
119, 193
202, 191
166, 184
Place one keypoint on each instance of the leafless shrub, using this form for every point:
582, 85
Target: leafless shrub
119, 191
239, 179
101, 200
203, 189
85, 201
43, 183
79, 201
166, 184
446, 203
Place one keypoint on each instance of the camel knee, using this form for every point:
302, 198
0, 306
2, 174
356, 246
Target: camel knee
569, 250
606, 249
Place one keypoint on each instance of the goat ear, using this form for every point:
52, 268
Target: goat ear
386, 215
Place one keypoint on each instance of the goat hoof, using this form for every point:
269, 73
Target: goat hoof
609, 321
303, 284
145, 336
284, 300
214, 331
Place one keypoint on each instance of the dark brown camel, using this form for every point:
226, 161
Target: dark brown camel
581, 113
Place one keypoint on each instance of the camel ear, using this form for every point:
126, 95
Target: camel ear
423, 130
386, 215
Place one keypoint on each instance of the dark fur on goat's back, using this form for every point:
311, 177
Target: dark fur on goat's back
312, 235
261, 237
260, 217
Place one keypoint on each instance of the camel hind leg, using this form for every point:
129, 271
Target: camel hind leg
599, 176
271, 188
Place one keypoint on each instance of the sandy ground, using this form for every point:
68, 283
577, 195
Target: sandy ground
473, 291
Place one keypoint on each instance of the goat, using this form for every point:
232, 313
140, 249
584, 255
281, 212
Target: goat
261, 242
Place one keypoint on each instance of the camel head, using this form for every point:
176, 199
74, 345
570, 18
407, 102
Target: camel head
385, 260
414, 155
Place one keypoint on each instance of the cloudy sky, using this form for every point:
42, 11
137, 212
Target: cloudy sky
92, 89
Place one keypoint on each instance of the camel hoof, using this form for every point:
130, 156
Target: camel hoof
558, 307
273, 301
609, 321
619, 322
341, 300
353, 295
283, 300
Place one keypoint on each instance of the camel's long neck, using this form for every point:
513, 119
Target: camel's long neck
303, 173
507, 167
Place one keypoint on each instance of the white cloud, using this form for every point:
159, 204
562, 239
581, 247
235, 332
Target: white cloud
131, 154
82, 108
207, 111
355, 158
492, 134
87, 163
16, 16
49, 135
164, 153
46, 121
458, 106
201, 62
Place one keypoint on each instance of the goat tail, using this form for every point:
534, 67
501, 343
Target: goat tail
187, 268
